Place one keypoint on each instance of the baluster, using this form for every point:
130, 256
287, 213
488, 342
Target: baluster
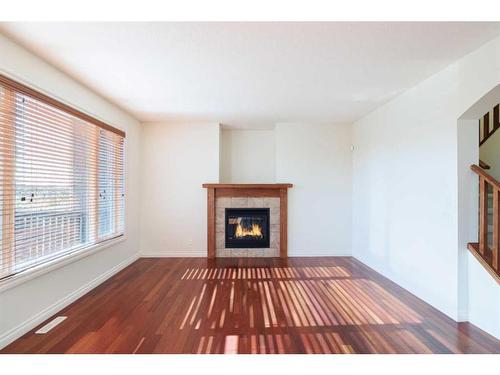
483, 215
496, 117
486, 124
496, 228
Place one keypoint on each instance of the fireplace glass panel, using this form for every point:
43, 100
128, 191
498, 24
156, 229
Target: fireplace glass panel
247, 228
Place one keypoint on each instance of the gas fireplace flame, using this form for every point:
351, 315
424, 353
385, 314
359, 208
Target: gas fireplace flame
254, 231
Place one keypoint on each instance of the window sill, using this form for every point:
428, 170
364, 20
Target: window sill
32, 273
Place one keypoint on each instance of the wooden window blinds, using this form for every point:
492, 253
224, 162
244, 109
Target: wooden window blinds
61, 179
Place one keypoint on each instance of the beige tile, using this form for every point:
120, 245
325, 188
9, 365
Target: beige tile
219, 236
275, 228
275, 242
274, 219
239, 202
255, 252
219, 215
223, 202
273, 252
271, 202
239, 252
219, 228
255, 202
224, 253
265, 253
219, 242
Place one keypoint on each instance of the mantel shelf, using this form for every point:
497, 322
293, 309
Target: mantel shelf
247, 186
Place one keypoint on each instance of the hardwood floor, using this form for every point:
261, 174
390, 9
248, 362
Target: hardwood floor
253, 305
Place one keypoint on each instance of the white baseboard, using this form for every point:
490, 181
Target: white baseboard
463, 316
319, 254
203, 254
34, 321
173, 254
449, 311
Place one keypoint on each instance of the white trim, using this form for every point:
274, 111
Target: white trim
203, 253
173, 254
463, 316
34, 321
319, 253
42, 269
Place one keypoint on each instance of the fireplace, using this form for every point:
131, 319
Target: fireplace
266, 204
247, 228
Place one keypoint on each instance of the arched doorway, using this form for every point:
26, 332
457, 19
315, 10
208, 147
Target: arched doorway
468, 153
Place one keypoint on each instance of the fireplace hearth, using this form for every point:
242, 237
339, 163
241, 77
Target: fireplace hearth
247, 228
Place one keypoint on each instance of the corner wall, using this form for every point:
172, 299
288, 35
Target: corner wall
405, 180
316, 159
24, 306
176, 160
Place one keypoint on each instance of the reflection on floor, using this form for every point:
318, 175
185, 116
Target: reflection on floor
253, 305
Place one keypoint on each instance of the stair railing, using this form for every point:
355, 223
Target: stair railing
484, 165
488, 256
488, 126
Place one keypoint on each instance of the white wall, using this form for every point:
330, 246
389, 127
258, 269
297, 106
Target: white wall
247, 156
177, 159
405, 181
484, 298
468, 206
25, 305
317, 160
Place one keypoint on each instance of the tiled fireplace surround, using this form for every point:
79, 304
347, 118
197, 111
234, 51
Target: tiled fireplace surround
272, 196
273, 203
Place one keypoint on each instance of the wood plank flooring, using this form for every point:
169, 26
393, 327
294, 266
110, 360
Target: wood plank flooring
253, 305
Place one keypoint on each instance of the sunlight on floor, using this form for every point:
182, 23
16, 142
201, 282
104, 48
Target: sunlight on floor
280, 297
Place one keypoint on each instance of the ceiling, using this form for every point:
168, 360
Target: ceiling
250, 75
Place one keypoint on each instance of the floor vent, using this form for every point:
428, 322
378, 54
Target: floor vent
47, 327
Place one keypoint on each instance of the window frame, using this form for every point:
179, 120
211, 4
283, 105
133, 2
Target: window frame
14, 279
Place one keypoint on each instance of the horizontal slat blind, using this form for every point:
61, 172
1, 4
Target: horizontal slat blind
61, 182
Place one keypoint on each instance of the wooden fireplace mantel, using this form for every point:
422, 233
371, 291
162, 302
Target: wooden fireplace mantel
248, 186
247, 190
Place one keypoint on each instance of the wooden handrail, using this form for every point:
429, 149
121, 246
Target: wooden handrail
489, 255
491, 180
484, 165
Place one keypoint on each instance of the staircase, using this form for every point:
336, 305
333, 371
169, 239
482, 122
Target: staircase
487, 250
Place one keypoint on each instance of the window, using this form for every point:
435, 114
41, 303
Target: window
61, 179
